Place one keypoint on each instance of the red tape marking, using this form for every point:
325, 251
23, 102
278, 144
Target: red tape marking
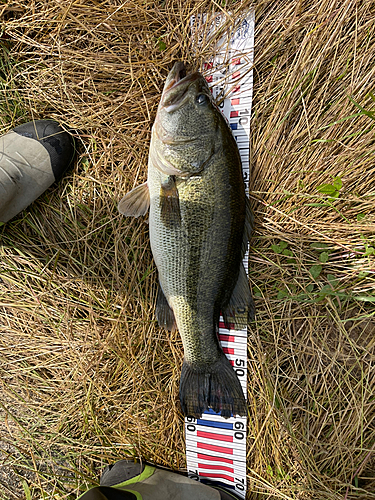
222, 325
212, 447
220, 476
215, 459
228, 350
212, 435
215, 467
226, 338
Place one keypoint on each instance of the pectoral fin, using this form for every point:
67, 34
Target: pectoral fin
164, 313
170, 203
241, 308
136, 202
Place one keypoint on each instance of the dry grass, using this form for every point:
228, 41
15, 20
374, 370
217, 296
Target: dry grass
87, 376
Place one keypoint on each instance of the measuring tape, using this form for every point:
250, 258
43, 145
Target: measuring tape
216, 446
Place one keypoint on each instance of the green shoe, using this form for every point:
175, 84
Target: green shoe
32, 157
126, 480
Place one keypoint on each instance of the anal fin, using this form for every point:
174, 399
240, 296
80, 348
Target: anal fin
240, 308
164, 313
136, 202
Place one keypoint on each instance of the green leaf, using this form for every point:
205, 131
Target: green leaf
365, 298
162, 45
337, 183
319, 246
369, 251
276, 248
363, 274
370, 114
334, 195
314, 141
340, 121
323, 257
273, 60
360, 217
283, 244
282, 294
301, 297
269, 470
85, 163
288, 252
26, 489
326, 290
315, 270
316, 205
326, 189
310, 288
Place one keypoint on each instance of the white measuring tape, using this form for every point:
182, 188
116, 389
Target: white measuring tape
216, 446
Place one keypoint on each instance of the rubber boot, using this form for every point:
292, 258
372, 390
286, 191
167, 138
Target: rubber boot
32, 157
126, 480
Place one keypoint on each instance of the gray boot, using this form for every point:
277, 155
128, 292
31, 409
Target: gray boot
126, 480
32, 157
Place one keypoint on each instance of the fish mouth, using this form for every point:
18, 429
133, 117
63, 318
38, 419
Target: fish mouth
176, 86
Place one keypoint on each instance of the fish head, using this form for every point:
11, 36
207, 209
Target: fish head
186, 124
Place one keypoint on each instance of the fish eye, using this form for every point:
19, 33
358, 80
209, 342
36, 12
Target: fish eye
202, 99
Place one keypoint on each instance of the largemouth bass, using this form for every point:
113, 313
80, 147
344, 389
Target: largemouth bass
200, 223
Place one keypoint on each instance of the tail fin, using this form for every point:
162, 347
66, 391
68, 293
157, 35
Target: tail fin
213, 386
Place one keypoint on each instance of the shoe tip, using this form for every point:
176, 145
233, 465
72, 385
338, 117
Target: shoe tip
58, 143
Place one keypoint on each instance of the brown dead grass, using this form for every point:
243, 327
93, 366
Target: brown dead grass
86, 374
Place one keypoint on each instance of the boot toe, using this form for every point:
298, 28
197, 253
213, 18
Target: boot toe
121, 471
58, 143
32, 157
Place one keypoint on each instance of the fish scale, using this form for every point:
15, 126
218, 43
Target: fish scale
216, 447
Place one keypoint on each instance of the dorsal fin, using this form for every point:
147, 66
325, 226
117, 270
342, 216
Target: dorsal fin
249, 226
